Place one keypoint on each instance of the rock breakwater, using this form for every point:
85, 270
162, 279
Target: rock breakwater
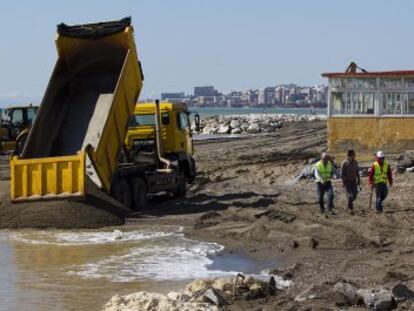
252, 124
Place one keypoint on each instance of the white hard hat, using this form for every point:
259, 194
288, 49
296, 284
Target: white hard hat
380, 154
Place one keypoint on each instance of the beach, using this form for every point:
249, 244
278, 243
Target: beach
249, 199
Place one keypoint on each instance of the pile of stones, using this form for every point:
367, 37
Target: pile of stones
252, 124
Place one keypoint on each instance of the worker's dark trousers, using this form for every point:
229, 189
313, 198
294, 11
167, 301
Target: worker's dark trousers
322, 188
351, 192
381, 191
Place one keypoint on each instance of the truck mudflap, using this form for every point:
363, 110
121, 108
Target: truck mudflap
44, 178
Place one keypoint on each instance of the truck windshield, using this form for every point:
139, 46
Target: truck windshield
148, 119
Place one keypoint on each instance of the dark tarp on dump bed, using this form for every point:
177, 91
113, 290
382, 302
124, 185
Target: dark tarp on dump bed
94, 31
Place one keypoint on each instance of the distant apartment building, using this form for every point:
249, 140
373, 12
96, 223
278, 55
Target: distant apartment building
285, 95
266, 96
280, 95
205, 91
237, 99
252, 97
210, 101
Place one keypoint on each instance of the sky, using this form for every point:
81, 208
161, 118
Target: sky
231, 44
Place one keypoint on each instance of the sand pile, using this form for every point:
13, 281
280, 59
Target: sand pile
96, 210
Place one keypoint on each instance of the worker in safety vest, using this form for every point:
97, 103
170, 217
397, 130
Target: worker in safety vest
324, 170
379, 175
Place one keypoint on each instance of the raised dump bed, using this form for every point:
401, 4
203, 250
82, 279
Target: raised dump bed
85, 111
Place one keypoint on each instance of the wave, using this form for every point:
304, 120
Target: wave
184, 259
87, 237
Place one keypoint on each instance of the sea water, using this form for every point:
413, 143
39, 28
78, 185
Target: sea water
82, 269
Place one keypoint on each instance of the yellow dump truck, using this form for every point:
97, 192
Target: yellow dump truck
83, 118
15, 123
82, 122
176, 134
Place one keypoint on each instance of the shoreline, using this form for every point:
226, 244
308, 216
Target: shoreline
242, 200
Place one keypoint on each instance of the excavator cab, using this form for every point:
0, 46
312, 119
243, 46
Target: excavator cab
15, 124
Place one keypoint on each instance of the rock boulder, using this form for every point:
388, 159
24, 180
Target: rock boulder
253, 128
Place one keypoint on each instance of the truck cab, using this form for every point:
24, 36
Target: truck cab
15, 124
176, 134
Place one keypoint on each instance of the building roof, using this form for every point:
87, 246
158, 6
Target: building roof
373, 74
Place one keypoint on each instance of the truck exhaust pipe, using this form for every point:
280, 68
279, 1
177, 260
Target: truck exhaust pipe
159, 138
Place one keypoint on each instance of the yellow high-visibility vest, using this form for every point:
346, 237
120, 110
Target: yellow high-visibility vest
325, 171
380, 176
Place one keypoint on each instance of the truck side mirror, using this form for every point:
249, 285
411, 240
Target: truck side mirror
197, 122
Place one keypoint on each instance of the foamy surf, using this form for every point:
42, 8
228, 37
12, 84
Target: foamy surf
64, 238
151, 253
185, 259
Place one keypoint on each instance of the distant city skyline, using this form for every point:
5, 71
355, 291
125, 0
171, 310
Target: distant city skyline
283, 95
232, 44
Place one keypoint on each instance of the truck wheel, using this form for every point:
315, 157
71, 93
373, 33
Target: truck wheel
139, 194
21, 141
181, 187
122, 193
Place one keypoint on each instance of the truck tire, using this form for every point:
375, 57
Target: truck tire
192, 171
122, 193
181, 189
139, 194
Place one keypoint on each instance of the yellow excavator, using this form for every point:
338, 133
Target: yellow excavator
15, 124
